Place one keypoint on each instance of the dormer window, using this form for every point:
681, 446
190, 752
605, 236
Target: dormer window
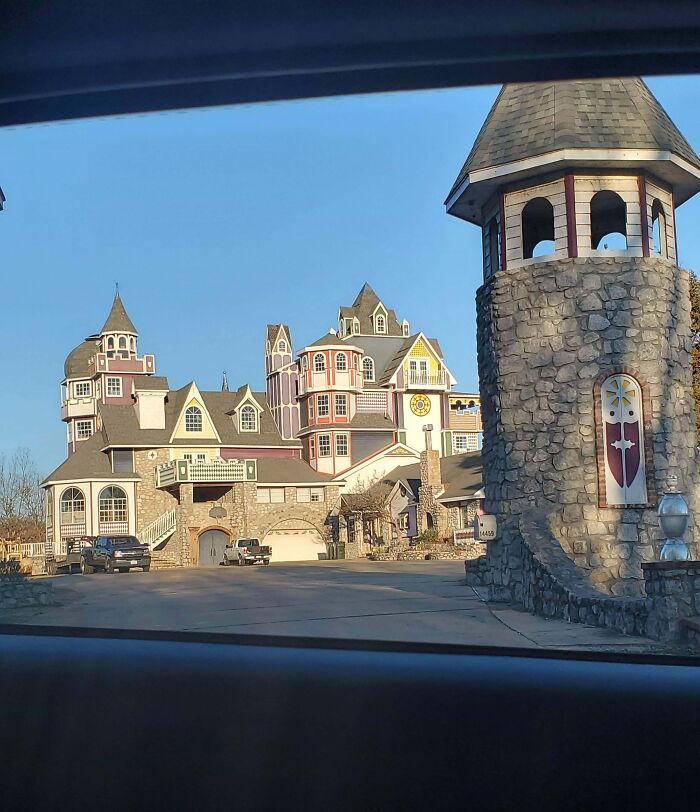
193, 419
281, 346
249, 419
341, 362
405, 328
319, 362
380, 323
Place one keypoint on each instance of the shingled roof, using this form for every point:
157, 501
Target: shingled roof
118, 321
77, 363
364, 306
88, 461
461, 475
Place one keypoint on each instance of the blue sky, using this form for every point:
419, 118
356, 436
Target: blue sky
216, 222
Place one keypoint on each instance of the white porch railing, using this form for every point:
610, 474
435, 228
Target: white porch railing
114, 528
71, 531
217, 470
417, 377
159, 530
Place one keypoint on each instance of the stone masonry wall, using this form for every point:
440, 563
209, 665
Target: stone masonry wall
546, 331
17, 591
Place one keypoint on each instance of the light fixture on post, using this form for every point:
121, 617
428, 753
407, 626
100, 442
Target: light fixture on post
673, 520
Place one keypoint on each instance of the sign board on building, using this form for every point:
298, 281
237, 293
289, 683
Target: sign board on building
485, 528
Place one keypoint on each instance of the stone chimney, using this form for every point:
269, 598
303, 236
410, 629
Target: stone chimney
430, 513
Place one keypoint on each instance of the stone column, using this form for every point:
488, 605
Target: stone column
674, 589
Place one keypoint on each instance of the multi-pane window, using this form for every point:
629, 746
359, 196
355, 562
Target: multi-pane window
112, 505
82, 389
380, 323
341, 362
310, 495
465, 442
403, 522
114, 387
341, 445
281, 346
319, 362
324, 445
270, 495
341, 405
323, 406
368, 369
72, 506
312, 448
83, 429
193, 418
249, 419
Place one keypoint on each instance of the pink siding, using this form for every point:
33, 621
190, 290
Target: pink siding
260, 453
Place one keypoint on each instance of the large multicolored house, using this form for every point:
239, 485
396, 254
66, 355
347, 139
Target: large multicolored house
362, 396
189, 470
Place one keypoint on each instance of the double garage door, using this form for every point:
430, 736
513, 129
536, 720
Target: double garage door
296, 544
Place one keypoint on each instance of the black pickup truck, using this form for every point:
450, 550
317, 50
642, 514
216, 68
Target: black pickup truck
109, 553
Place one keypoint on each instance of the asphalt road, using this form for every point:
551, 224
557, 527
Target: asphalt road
425, 601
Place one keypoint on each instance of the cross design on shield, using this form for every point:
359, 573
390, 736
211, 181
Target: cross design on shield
622, 418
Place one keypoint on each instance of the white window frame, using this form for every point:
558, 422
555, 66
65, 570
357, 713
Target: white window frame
338, 399
380, 318
192, 412
83, 429
281, 345
368, 368
312, 448
88, 389
270, 496
342, 439
338, 357
248, 409
114, 387
323, 411
319, 362
324, 445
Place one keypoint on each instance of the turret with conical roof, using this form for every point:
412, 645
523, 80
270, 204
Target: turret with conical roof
369, 316
582, 323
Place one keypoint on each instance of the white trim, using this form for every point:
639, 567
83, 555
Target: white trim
573, 157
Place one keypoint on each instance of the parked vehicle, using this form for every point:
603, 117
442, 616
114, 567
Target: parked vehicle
246, 551
110, 553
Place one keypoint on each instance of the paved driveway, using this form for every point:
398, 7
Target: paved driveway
424, 601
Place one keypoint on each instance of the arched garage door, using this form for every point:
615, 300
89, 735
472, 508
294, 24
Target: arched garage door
296, 540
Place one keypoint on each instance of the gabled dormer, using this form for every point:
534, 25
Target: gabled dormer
419, 365
247, 412
194, 421
379, 320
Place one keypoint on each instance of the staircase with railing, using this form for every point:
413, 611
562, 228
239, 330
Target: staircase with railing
158, 530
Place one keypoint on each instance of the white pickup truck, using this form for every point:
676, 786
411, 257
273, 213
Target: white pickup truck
246, 551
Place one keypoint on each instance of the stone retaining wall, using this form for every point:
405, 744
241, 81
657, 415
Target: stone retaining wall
547, 582
17, 591
422, 552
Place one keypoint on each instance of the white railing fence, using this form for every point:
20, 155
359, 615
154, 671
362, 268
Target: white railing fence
159, 529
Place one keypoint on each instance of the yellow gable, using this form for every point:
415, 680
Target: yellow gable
208, 431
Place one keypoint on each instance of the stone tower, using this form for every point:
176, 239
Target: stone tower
281, 380
583, 324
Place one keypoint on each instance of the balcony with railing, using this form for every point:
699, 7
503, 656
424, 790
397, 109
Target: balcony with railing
78, 407
346, 380
213, 471
427, 380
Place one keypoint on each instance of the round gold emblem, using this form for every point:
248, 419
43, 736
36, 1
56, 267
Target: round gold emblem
420, 405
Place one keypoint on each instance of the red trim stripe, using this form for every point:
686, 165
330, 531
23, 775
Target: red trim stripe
642, 187
570, 198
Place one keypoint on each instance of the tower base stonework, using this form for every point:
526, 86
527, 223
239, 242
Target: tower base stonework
546, 333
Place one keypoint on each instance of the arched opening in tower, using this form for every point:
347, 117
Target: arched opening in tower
658, 228
608, 221
538, 228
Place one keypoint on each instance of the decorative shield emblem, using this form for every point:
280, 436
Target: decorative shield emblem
623, 426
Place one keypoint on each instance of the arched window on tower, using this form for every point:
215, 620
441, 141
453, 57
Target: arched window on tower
112, 509
133, 344
368, 368
608, 221
622, 466
538, 228
304, 363
72, 507
281, 346
122, 342
193, 419
319, 362
341, 362
658, 228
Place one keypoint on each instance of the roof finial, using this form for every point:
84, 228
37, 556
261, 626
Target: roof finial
117, 286
224, 383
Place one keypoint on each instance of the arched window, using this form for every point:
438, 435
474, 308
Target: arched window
319, 362
110, 343
112, 506
49, 508
193, 418
380, 323
249, 419
133, 344
122, 342
281, 346
304, 363
341, 361
621, 431
538, 228
608, 221
72, 506
658, 228
354, 362
368, 368
494, 246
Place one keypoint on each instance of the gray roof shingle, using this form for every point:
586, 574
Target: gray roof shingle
533, 119
461, 475
364, 306
87, 462
280, 469
77, 363
118, 321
